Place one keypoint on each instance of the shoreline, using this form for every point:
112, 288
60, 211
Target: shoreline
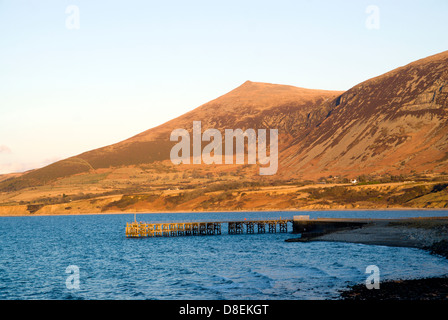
430, 235
420, 289
417, 233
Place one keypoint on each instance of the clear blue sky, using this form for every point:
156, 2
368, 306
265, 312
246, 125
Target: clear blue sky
133, 65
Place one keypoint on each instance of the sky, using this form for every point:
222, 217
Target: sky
81, 74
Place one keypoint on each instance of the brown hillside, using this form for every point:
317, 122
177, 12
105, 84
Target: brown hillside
394, 123
252, 105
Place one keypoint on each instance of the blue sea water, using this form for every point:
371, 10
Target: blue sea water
36, 251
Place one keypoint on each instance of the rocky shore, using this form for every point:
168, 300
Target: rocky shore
429, 234
416, 289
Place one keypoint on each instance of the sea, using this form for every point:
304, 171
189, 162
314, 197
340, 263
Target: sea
89, 257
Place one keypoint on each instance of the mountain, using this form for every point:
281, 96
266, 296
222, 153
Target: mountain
393, 124
252, 105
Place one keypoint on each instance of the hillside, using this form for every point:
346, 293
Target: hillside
386, 129
252, 105
395, 123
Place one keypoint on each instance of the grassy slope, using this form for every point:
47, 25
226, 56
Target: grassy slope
228, 195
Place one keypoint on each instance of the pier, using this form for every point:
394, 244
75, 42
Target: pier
301, 224
138, 229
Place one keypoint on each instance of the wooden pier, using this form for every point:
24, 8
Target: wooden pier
138, 229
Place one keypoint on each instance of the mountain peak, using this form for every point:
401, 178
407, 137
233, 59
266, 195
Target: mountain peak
260, 95
393, 124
